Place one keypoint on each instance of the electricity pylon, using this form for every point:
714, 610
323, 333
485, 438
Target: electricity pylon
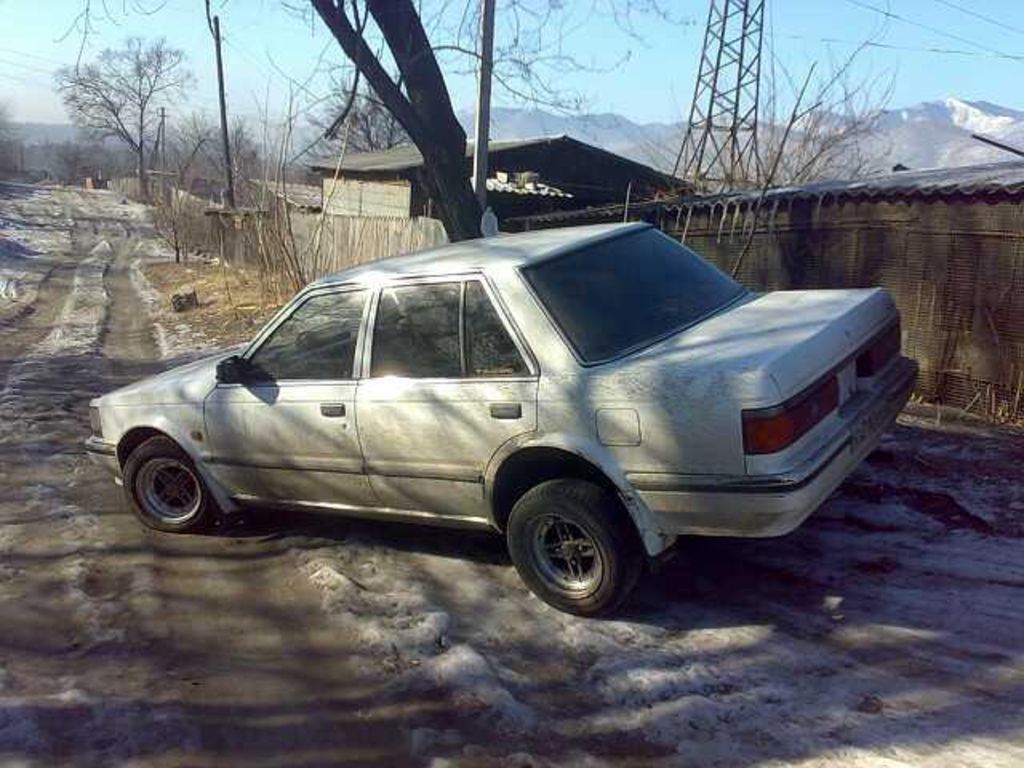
719, 149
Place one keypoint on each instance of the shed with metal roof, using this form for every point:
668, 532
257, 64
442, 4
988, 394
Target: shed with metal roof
526, 176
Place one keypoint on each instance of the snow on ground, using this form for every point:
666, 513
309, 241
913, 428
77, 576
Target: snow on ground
33, 228
887, 631
43, 393
35, 231
35, 432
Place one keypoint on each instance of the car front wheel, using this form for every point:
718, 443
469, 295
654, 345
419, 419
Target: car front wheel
163, 487
574, 546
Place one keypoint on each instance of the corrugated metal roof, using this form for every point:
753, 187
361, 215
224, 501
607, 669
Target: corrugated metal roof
407, 157
988, 179
528, 188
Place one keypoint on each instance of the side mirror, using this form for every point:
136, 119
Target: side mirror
232, 370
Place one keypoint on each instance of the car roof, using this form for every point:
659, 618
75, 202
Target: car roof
482, 254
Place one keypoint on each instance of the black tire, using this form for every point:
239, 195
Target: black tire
141, 482
536, 527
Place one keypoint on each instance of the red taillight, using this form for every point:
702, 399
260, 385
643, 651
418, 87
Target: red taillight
768, 430
879, 352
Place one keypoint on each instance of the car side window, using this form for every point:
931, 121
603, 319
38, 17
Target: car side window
416, 332
490, 351
317, 341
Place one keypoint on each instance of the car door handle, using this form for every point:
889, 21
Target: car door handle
506, 411
332, 410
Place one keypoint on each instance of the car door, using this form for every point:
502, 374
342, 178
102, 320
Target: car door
288, 433
448, 383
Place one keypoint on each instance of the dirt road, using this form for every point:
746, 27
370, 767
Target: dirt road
887, 631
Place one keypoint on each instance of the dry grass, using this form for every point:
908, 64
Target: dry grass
234, 302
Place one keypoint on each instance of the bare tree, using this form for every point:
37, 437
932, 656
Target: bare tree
175, 215
9, 145
245, 152
371, 127
530, 61
388, 43
828, 139
117, 95
186, 145
72, 161
6, 126
418, 99
246, 160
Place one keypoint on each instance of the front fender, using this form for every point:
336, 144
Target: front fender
184, 425
655, 540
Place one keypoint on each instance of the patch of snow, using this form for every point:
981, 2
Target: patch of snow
78, 327
393, 620
971, 118
874, 635
473, 686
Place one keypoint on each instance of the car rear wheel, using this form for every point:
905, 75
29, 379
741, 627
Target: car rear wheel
574, 546
164, 489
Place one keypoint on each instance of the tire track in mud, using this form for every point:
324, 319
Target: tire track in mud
37, 404
71, 601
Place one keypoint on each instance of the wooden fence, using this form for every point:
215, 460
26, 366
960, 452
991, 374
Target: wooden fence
307, 246
955, 269
954, 266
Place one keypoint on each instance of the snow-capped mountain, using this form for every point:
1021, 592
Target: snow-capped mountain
927, 135
977, 116
938, 133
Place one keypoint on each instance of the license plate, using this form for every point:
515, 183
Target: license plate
875, 421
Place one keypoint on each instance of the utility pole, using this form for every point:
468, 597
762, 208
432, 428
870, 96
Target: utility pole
483, 102
229, 173
719, 150
162, 133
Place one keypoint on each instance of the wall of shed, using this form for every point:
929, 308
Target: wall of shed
359, 197
954, 267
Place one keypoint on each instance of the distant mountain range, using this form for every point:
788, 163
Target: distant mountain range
653, 144
927, 135
34, 134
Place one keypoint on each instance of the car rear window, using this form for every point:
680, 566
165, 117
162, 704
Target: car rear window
623, 293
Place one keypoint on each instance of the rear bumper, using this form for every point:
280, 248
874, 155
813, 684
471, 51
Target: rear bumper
775, 505
103, 454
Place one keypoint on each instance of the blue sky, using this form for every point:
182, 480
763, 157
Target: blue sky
933, 50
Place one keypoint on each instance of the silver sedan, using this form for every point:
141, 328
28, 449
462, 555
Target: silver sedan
592, 393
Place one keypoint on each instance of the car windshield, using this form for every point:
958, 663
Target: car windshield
625, 292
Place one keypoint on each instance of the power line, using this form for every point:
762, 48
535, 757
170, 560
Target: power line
28, 55
25, 80
896, 17
912, 49
997, 22
30, 67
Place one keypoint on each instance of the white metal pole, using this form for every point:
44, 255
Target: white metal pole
483, 102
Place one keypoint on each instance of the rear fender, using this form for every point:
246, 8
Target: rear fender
654, 539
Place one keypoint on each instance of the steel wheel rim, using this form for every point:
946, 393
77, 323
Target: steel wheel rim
169, 490
567, 556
